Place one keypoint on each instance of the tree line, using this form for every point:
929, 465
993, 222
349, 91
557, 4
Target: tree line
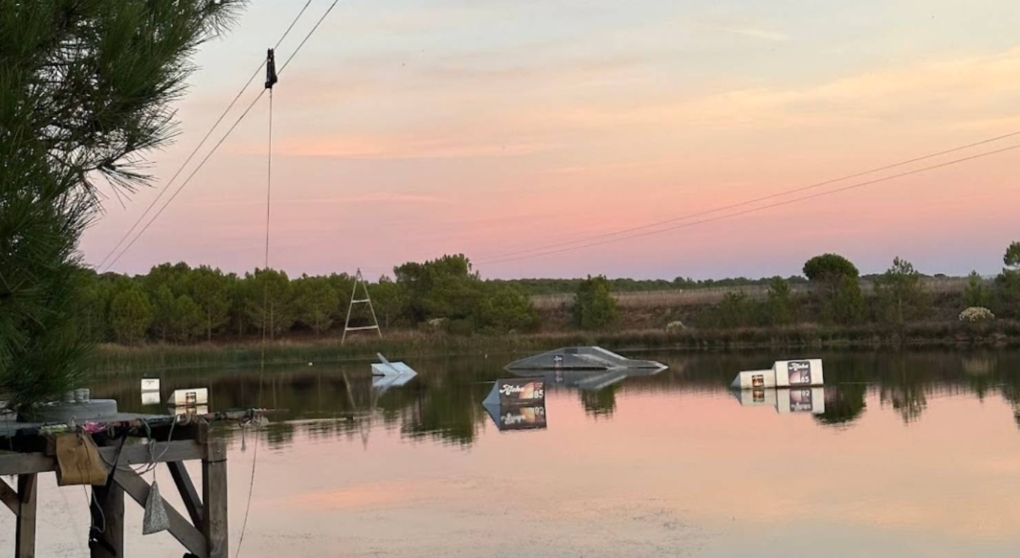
899, 296
176, 303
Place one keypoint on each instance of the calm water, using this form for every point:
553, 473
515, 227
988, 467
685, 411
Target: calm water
914, 455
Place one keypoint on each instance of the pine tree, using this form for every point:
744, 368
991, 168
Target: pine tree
85, 93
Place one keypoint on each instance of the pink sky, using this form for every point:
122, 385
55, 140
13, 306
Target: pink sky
402, 133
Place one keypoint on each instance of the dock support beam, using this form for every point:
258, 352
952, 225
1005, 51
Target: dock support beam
214, 497
107, 513
24, 542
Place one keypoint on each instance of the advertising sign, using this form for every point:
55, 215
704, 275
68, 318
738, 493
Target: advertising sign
799, 372
521, 391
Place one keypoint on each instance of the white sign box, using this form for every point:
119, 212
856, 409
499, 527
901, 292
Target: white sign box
150, 384
754, 379
189, 397
798, 373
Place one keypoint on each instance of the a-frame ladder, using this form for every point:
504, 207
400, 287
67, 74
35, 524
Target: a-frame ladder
359, 280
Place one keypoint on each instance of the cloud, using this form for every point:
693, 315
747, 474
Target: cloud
957, 92
757, 33
383, 148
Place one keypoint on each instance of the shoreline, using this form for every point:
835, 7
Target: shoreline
111, 359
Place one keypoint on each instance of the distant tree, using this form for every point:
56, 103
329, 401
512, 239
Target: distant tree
164, 308
778, 302
316, 302
210, 289
505, 308
1008, 283
847, 306
387, 299
130, 315
269, 301
977, 293
1012, 257
97, 293
594, 306
187, 319
442, 288
835, 281
829, 268
900, 293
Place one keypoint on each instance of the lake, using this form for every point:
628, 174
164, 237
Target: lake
915, 454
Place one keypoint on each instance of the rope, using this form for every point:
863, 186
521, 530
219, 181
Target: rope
265, 312
201, 143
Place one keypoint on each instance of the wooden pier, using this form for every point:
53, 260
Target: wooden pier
202, 530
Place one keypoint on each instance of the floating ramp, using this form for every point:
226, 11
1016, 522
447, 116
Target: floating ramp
582, 358
388, 374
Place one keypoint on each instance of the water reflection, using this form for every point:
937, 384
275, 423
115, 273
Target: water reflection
443, 403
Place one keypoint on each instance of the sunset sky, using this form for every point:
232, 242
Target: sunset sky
406, 130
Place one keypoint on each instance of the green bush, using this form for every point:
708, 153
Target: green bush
594, 306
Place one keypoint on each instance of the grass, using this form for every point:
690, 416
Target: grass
712, 295
114, 359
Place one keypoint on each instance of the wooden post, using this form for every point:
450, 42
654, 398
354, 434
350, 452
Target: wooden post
214, 496
108, 517
24, 541
188, 493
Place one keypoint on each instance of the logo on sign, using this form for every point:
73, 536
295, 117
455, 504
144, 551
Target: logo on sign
530, 390
799, 372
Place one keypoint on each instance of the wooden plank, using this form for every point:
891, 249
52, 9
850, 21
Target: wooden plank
214, 494
10, 497
25, 463
135, 454
24, 538
187, 489
107, 511
184, 532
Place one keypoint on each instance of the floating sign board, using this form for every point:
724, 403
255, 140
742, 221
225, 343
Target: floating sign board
517, 404
517, 392
150, 384
798, 373
754, 379
150, 398
784, 373
189, 397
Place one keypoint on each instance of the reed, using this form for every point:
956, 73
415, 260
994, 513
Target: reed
116, 359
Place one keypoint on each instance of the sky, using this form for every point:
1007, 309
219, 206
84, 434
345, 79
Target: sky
407, 130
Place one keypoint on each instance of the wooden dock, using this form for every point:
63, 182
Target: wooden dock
201, 530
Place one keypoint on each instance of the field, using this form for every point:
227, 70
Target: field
693, 297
